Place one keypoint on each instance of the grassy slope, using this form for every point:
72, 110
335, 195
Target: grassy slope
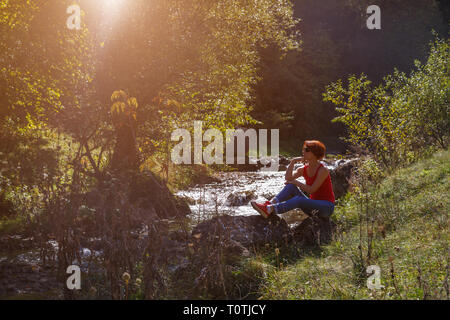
410, 244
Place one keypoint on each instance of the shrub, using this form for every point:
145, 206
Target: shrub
402, 117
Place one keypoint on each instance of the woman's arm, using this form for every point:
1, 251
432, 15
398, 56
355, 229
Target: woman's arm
299, 172
321, 176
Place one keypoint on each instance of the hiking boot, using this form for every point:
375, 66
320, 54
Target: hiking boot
261, 208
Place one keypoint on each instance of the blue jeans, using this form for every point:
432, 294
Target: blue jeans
291, 197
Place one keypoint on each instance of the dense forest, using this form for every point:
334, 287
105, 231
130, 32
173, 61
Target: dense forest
91, 92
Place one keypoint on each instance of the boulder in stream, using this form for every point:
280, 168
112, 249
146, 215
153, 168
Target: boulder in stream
240, 198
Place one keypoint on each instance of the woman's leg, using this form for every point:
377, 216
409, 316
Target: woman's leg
325, 208
289, 191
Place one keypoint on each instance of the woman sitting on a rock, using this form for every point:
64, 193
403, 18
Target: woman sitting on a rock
318, 185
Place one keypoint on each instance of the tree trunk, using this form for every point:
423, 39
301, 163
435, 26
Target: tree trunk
125, 155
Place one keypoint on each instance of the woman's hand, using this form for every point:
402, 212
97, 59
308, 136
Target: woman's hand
299, 172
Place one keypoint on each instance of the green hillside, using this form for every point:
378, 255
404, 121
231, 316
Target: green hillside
404, 225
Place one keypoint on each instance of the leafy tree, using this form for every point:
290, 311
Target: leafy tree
41, 75
427, 94
402, 115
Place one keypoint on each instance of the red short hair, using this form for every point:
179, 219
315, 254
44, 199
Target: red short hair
317, 148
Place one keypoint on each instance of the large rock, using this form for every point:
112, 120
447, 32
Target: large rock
236, 199
239, 234
152, 194
341, 175
143, 191
314, 231
249, 231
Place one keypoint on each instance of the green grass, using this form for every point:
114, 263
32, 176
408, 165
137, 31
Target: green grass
410, 243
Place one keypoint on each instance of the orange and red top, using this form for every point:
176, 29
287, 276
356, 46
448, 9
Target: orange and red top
325, 191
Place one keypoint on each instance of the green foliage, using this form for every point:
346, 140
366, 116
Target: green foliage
426, 96
44, 68
401, 116
40, 60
